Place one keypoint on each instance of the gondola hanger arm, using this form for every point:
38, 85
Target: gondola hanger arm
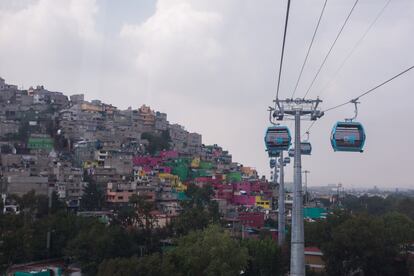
355, 102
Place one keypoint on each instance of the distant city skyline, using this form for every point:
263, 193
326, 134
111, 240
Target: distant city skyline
212, 65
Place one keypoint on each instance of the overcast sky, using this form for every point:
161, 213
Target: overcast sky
211, 65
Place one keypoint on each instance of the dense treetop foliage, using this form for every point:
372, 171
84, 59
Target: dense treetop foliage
369, 235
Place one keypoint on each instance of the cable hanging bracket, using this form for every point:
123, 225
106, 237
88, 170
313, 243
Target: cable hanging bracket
355, 102
289, 107
307, 133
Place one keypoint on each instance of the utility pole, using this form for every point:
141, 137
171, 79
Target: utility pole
274, 173
306, 186
281, 221
297, 257
338, 203
298, 109
49, 232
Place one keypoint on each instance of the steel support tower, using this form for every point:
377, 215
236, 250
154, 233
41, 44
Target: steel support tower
306, 172
297, 109
281, 219
273, 177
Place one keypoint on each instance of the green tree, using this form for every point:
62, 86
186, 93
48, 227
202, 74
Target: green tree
157, 143
269, 222
151, 265
37, 206
317, 233
208, 252
93, 198
376, 245
400, 229
12, 246
24, 131
196, 218
400, 235
32, 205
57, 204
65, 227
23, 240
119, 267
360, 244
98, 242
199, 197
406, 206
198, 212
265, 257
374, 205
126, 216
142, 208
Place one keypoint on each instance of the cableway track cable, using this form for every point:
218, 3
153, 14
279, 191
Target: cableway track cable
369, 91
353, 100
331, 48
357, 44
309, 49
283, 49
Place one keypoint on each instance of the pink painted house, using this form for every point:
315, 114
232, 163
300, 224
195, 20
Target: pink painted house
244, 200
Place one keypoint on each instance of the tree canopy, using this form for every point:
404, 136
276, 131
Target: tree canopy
157, 143
372, 244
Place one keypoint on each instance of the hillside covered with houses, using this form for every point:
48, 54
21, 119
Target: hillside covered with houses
64, 145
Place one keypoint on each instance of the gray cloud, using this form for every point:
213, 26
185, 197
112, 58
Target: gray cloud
212, 65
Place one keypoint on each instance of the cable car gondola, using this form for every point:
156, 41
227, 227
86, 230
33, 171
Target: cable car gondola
272, 154
277, 139
348, 136
305, 148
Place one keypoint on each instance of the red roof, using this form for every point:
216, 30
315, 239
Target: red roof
313, 250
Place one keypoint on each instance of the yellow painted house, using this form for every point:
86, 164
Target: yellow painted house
260, 202
90, 164
91, 107
174, 180
195, 163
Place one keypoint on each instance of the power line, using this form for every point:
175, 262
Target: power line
371, 90
330, 49
363, 94
355, 47
310, 47
351, 52
283, 48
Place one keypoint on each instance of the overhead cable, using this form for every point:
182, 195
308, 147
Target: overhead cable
283, 48
331, 48
309, 49
353, 100
369, 91
355, 47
